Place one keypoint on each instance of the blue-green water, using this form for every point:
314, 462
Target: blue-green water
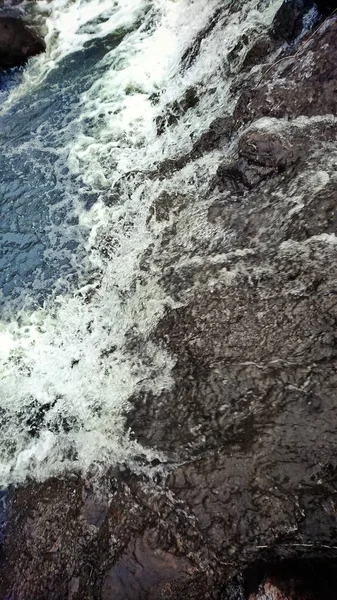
40, 237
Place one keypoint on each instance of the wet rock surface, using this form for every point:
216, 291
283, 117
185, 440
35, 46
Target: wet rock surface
304, 83
253, 406
288, 21
17, 43
249, 426
176, 109
291, 580
118, 538
260, 155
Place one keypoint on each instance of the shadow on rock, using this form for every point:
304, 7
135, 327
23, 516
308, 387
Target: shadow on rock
292, 580
17, 43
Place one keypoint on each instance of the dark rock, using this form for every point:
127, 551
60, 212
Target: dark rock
17, 43
267, 150
146, 572
305, 84
114, 540
259, 51
218, 133
261, 154
320, 215
241, 175
166, 205
292, 580
288, 21
250, 414
216, 136
168, 166
234, 55
177, 109
326, 7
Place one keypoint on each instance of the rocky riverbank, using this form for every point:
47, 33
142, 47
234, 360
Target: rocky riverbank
244, 505
20, 33
17, 43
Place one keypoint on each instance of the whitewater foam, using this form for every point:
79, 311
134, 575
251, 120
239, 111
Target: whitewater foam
70, 366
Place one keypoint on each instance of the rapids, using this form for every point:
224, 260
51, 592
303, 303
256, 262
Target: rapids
77, 304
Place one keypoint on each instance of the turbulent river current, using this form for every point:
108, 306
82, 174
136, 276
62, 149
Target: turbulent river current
168, 277
79, 147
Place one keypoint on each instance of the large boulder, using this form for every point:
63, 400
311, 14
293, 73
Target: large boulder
17, 43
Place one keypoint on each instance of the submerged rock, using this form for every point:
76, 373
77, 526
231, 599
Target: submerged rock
253, 403
118, 539
17, 43
217, 135
176, 109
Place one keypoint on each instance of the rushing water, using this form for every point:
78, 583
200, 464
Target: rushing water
76, 306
